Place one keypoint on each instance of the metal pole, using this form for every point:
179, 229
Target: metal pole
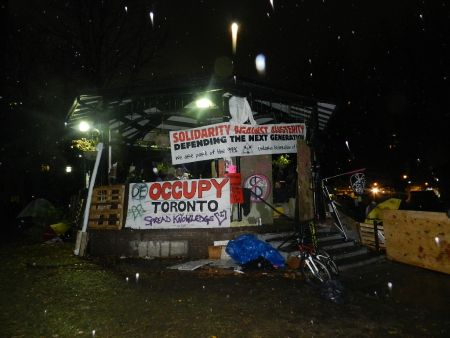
109, 151
80, 244
91, 186
238, 169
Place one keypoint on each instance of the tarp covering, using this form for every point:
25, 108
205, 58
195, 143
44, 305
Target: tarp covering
377, 212
60, 228
39, 207
247, 248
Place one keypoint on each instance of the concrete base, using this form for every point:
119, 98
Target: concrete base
192, 243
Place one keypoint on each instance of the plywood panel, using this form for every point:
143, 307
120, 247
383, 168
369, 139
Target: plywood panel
418, 238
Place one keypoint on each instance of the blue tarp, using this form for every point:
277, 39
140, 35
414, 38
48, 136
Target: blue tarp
246, 248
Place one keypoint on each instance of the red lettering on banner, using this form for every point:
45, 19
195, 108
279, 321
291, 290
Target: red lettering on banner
185, 189
186, 185
177, 190
151, 192
219, 186
203, 185
166, 190
196, 134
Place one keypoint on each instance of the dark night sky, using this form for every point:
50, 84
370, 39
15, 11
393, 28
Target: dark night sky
385, 63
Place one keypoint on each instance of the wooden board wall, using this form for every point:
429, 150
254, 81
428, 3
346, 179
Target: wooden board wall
418, 238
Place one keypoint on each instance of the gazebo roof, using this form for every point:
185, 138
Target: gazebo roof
141, 114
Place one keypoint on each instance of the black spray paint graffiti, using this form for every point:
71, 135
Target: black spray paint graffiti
136, 211
139, 191
187, 219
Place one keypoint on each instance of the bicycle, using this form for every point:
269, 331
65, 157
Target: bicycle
313, 270
326, 259
321, 254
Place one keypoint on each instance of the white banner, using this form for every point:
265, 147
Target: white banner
203, 203
230, 140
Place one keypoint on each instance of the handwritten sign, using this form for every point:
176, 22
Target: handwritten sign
230, 140
203, 203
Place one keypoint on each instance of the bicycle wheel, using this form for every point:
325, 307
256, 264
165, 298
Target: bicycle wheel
326, 259
314, 271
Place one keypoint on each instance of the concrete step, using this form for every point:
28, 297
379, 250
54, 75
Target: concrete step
347, 254
334, 236
336, 244
355, 252
341, 250
361, 260
326, 229
274, 236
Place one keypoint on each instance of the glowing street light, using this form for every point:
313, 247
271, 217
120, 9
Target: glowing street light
68, 169
405, 176
234, 33
204, 103
84, 126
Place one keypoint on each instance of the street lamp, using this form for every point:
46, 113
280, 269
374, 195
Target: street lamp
68, 169
204, 103
375, 190
84, 126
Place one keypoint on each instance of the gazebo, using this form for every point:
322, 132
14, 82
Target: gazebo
137, 124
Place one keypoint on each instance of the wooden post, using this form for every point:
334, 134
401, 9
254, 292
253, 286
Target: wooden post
305, 193
375, 230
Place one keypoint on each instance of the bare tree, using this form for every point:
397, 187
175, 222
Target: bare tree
98, 43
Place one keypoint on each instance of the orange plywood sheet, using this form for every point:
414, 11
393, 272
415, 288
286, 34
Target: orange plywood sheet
418, 238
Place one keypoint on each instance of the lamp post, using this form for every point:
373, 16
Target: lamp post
86, 126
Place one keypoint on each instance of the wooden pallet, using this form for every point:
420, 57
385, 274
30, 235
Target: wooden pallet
367, 235
107, 208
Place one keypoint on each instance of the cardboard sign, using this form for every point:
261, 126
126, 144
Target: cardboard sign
202, 203
230, 140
